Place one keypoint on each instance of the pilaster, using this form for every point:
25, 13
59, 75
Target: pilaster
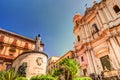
101, 16
90, 63
112, 55
116, 49
94, 61
107, 14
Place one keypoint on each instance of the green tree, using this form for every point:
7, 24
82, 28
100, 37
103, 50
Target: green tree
56, 73
8, 75
70, 68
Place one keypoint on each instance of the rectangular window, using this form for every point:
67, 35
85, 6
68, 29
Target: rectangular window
82, 59
105, 61
95, 28
78, 37
85, 72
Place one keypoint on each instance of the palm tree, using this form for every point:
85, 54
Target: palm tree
8, 75
56, 73
70, 67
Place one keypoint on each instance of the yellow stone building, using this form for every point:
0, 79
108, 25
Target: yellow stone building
97, 34
54, 61
51, 62
12, 45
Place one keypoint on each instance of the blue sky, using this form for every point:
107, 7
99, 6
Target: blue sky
50, 18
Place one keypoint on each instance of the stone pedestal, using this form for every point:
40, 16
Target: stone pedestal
31, 63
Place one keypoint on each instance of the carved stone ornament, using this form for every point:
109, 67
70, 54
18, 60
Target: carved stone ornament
22, 69
39, 61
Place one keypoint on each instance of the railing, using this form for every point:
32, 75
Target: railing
112, 73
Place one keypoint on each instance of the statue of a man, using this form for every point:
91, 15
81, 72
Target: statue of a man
37, 46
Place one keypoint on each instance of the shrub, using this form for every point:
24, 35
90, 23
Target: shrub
83, 78
42, 77
21, 78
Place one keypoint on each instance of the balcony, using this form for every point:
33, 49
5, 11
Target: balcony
112, 73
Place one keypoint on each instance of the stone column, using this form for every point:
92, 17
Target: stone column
94, 61
112, 55
105, 26
82, 34
118, 39
101, 16
108, 11
116, 49
117, 44
86, 32
111, 10
110, 16
98, 21
89, 28
107, 15
99, 67
90, 62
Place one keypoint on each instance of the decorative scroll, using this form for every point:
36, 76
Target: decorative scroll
22, 69
39, 61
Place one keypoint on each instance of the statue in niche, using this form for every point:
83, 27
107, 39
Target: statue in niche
22, 69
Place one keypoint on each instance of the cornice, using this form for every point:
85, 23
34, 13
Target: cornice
18, 36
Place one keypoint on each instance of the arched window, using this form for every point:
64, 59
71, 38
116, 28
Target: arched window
78, 37
116, 9
95, 28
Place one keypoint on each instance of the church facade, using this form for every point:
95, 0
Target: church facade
97, 33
